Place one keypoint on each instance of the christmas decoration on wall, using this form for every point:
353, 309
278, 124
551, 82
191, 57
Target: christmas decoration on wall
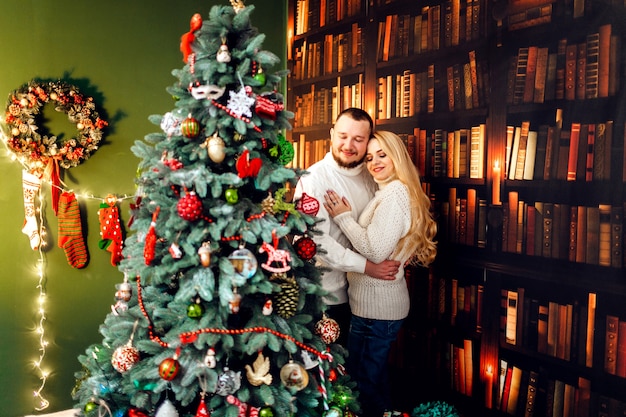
220, 291
111, 229
71, 232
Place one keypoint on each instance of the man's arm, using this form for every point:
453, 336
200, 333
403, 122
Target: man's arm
385, 270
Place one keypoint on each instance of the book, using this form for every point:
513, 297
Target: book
512, 208
592, 254
581, 234
548, 213
512, 160
531, 153
542, 329
610, 347
514, 390
583, 405
589, 156
590, 332
511, 317
472, 205
571, 52
531, 71
604, 50
617, 227
481, 225
620, 354
521, 151
539, 93
559, 394
553, 322
541, 152
531, 394
520, 75
604, 235
581, 70
591, 69
477, 151
602, 151
469, 367
506, 388
572, 160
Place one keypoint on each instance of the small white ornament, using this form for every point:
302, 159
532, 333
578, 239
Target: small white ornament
170, 124
166, 409
223, 55
209, 358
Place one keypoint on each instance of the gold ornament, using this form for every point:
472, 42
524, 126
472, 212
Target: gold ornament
237, 5
205, 254
215, 147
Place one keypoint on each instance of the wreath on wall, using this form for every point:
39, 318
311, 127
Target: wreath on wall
32, 144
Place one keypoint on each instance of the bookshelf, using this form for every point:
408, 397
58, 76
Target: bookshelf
514, 113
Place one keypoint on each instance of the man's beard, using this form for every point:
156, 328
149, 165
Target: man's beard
349, 164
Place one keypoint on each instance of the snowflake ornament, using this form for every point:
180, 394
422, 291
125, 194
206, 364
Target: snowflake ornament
240, 102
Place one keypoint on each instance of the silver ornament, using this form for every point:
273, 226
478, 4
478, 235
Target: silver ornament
166, 409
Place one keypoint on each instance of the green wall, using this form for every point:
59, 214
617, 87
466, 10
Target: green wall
121, 52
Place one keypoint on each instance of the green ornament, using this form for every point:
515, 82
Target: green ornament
232, 196
286, 150
260, 77
195, 310
266, 411
90, 406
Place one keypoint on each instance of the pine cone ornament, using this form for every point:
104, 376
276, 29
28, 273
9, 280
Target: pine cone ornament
286, 301
189, 207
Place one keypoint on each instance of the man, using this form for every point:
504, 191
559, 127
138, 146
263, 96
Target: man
342, 170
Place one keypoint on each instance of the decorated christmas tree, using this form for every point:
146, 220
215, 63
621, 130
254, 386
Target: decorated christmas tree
220, 310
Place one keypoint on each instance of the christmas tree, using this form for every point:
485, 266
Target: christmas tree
220, 310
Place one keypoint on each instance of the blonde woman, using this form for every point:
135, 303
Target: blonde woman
396, 224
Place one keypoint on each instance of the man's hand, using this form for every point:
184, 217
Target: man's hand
386, 270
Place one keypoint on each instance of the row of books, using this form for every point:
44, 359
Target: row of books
615, 346
307, 152
526, 392
440, 25
457, 153
582, 153
582, 234
334, 54
462, 219
462, 367
562, 330
466, 84
313, 14
572, 71
455, 301
320, 105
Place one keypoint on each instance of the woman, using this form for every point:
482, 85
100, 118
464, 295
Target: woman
396, 224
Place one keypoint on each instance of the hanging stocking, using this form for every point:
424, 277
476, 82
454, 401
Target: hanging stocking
110, 229
149, 248
31, 185
70, 231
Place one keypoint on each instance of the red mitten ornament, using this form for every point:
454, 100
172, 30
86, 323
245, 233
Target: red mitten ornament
110, 229
187, 39
148, 250
247, 167
189, 207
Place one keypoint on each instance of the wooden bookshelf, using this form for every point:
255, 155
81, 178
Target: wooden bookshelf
515, 117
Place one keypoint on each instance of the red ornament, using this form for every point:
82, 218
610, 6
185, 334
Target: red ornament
203, 411
247, 167
149, 249
305, 248
308, 205
124, 357
168, 369
133, 412
190, 127
265, 108
332, 375
189, 207
187, 39
328, 330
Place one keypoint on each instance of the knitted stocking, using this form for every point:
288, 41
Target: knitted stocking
30, 185
70, 231
110, 230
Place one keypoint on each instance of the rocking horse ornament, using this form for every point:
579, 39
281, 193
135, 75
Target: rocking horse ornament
275, 256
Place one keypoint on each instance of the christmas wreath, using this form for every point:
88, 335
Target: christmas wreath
29, 142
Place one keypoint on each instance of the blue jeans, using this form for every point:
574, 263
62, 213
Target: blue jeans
369, 343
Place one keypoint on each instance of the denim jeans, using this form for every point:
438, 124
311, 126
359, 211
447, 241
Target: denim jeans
369, 343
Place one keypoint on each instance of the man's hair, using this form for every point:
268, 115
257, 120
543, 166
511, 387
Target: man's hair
359, 115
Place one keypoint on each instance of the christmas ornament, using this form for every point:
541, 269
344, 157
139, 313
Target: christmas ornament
334, 411
133, 412
240, 102
122, 295
245, 410
208, 92
332, 375
294, 376
275, 256
266, 411
223, 55
228, 382
175, 251
308, 362
90, 406
258, 73
231, 195
110, 229
187, 39
247, 167
235, 302
265, 108
170, 124
71, 232
166, 409
267, 205
150, 245
308, 205
287, 151
244, 262
169, 367
204, 252
268, 308
195, 309
306, 248
31, 184
202, 411
237, 5
124, 357
190, 127
349, 413
281, 205
209, 358
215, 147
259, 372
327, 329
172, 163
286, 300
189, 206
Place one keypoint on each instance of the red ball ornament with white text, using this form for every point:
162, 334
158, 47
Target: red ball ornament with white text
189, 207
328, 330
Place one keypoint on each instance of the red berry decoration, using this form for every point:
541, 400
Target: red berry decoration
189, 207
190, 127
305, 248
168, 369
328, 330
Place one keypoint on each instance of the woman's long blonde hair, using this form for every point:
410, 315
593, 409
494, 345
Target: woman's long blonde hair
419, 241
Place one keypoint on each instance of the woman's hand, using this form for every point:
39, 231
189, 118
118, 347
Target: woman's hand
334, 204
